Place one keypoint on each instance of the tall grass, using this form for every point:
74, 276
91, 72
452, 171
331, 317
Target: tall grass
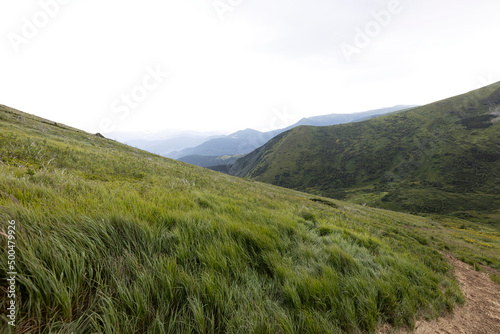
115, 240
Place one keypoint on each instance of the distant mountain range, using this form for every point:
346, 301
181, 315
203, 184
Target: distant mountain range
440, 158
164, 142
245, 141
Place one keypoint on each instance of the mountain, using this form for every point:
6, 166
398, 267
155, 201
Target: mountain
334, 119
164, 142
240, 142
439, 158
245, 141
111, 239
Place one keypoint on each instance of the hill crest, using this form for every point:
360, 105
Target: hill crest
435, 158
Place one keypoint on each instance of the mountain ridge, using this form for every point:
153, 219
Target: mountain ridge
448, 148
245, 141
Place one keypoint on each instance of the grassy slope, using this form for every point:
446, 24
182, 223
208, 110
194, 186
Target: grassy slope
440, 158
112, 239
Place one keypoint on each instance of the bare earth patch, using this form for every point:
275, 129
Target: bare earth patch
480, 314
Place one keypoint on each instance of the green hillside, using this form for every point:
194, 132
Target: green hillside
441, 158
111, 239
208, 161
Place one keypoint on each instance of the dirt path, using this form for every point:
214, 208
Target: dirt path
480, 314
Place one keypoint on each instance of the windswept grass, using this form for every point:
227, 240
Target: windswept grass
111, 239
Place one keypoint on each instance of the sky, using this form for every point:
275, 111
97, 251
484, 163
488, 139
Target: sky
226, 65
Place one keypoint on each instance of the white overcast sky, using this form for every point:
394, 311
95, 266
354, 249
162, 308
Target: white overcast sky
265, 65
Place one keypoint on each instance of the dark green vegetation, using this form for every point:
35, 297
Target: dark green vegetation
443, 158
208, 161
112, 239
